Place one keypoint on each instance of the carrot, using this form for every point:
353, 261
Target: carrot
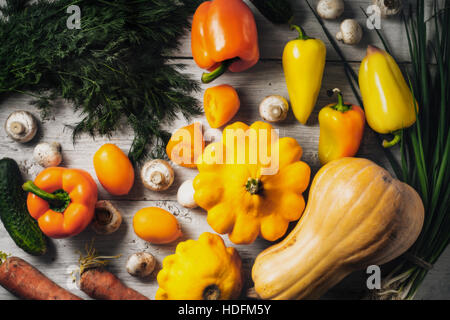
101, 284
98, 283
25, 281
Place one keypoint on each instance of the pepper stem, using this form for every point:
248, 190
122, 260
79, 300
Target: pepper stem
340, 106
58, 200
397, 137
208, 77
254, 186
301, 34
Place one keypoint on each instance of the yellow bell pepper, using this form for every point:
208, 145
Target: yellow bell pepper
341, 130
251, 182
201, 270
388, 101
303, 65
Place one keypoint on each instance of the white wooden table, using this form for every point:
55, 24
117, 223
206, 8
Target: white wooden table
263, 79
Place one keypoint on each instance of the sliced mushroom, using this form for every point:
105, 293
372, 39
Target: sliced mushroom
48, 154
157, 175
274, 108
107, 218
350, 32
388, 7
185, 194
21, 126
141, 264
330, 9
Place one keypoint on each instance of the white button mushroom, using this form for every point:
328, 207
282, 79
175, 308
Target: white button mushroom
21, 126
107, 218
388, 7
157, 175
48, 154
141, 264
350, 32
273, 108
330, 9
185, 194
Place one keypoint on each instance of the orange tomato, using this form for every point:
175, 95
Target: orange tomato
156, 225
220, 104
186, 145
113, 169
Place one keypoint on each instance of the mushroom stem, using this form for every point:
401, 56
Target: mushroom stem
17, 127
275, 111
107, 219
157, 177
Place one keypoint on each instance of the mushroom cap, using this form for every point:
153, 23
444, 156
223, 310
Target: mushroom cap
141, 264
185, 194
157, 175
330, 9
388, 7
48, 154
350, 32
274, 108
21, 126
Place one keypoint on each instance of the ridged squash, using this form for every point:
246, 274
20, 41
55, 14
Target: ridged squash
357, 215
203, 269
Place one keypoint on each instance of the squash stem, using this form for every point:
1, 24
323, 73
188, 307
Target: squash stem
211, 292
58, 200
254, 186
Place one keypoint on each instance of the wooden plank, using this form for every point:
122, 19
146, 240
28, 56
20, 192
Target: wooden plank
264, 79
273, 38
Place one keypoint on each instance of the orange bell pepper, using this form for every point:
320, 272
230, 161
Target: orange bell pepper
220, 104
341, 130
62, 201
224, 36
186, 145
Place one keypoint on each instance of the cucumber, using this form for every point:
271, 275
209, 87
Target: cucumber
276, 11
22, 228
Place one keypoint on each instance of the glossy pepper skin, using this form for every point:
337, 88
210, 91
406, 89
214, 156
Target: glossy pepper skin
224, 36
341, 130
62, 201
388, 101
220, 104
303, 65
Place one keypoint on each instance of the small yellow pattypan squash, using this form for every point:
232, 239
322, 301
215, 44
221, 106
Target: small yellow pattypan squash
251, 182
201, 270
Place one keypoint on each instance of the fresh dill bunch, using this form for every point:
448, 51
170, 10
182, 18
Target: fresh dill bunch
115, 67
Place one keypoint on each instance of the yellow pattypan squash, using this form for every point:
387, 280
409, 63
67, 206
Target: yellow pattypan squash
201, 270
251, 182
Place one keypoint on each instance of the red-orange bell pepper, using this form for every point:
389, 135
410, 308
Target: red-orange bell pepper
224, 36
62, 201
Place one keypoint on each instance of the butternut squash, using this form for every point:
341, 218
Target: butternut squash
357, 215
